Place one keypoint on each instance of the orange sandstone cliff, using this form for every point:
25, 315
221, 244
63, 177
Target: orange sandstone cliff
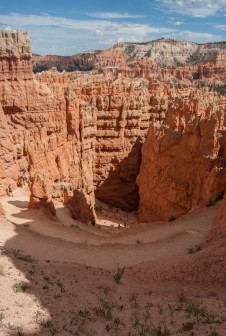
86, 130
183, 158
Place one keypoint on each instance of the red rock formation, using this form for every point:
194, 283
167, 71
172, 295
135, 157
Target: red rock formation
81, 207
41, 191
86, 129
167, 54
183, 159
40, 129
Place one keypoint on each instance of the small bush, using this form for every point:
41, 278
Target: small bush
61, 286
118, 276
187, 326
105, 309
19, 287
161, 330
195, 308
182, 298
133, 302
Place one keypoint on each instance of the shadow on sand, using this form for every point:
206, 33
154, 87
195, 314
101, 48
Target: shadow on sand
54, 295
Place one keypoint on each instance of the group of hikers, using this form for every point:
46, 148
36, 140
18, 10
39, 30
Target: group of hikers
22, 180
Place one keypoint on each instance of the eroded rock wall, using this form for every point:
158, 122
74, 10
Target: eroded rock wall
183, 158
87, 129
122, 119
41, 129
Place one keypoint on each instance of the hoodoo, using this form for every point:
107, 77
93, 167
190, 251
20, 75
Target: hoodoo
87, 130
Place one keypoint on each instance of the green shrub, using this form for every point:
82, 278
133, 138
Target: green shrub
19, 287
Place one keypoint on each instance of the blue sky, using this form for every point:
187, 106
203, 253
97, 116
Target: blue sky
67, 27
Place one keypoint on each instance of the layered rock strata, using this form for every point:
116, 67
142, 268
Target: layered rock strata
41, 130
183, 158
166, 54
87, 129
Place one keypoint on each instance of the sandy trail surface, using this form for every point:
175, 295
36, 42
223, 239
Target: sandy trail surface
35, 232
68, 272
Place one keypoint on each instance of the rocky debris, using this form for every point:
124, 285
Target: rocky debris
81, 206
41, 191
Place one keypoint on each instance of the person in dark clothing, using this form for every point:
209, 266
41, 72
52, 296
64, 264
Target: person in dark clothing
10, 190
24, 177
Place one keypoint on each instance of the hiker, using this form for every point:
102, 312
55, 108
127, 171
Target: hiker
10, 190
19, 181
24, 178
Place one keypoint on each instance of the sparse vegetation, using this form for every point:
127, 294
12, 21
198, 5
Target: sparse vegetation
61, 286
181, 296
195, 308
186, 326
119, 274
133, 302
17, 254
221, 89
160, 330
19, 287
106, 307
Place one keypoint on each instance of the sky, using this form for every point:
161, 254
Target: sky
67, 27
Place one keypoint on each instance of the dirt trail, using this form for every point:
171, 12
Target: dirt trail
64, 239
